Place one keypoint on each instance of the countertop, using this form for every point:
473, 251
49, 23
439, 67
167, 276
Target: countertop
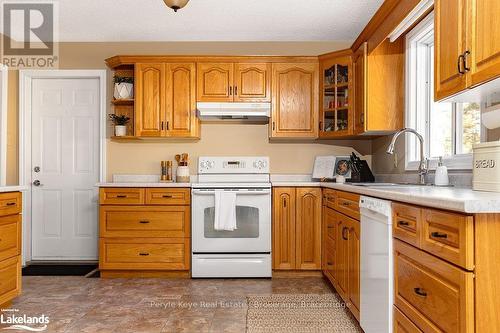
458, 199
12, 188
137, 184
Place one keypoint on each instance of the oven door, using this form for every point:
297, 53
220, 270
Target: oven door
253, 220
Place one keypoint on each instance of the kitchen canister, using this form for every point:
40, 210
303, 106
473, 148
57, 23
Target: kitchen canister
182, 174
486, 166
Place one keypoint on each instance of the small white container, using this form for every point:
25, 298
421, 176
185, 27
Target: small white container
120, 130
123, 91
486, 166
182, 174
441, 177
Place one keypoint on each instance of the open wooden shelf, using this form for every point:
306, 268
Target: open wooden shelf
122, 102
127, 137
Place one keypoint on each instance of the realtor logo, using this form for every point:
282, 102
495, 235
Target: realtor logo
29, 34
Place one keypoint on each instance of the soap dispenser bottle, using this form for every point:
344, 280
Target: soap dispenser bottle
441, 178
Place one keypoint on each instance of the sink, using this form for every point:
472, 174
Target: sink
392, 185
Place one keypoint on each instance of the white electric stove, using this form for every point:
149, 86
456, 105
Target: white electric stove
246, 251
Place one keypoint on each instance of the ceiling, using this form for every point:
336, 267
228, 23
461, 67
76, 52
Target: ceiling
214, 20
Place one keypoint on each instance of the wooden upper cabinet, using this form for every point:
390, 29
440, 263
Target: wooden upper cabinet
360, 72
450, 44
295, 100
467, 45
252, 82
283, 228
215, 82
484, 40
150, 99
308, 229
335, 110
181, 120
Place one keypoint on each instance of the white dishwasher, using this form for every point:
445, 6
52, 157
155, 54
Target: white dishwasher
376, 283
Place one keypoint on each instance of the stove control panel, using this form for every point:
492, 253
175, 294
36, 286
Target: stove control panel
233, 165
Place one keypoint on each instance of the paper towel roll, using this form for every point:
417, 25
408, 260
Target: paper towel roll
491, 117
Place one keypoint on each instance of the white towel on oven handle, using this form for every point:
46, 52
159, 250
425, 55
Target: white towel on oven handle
225, 210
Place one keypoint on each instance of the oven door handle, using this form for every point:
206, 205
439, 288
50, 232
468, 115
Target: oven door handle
238, 192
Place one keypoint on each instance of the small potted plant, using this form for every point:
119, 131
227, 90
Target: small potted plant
120, 122
124, 87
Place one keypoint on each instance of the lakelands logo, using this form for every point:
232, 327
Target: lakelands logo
23, 322
30, 34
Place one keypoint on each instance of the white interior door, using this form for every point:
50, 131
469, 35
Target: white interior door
65, 168
3, 124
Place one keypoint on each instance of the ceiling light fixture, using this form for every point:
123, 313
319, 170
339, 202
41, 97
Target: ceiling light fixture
176, 4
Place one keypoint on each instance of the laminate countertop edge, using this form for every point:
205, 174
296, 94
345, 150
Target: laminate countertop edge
463, 200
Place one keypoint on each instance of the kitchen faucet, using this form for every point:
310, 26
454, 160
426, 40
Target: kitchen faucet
423, 168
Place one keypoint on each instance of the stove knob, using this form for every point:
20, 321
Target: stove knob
203, 164
210, 164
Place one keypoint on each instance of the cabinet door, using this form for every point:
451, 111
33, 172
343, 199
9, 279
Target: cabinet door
149, 99
252, 82
484, 40
215, 82
342, 250
449, 44
360, 88
283, 228
181, 101
328, 244
354, 266
308, 229
295, 100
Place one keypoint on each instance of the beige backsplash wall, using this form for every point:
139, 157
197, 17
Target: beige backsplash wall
227, 139
144, 157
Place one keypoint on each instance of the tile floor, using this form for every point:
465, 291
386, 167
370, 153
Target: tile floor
77, 304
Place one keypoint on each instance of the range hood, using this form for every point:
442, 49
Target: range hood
240, 112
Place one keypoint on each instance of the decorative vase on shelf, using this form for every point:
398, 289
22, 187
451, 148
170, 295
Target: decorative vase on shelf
123, 90
120, 130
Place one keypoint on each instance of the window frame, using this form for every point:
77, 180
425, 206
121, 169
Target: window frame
420, 34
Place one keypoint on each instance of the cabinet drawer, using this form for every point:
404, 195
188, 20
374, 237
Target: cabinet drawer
402, 324
449, 236
144, 221
329, 198
10, 236
407, 223
10, 203
171, 196
10, 279
348, 204
435, 295
144, 253
121, 196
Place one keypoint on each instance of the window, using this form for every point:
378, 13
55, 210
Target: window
449, 129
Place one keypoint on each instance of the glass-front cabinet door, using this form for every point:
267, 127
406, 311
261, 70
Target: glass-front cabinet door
336, 95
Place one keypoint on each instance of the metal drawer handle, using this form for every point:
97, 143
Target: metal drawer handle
121, 196
145, 254
144, 222
420, 292
330, 227
345, 203
166, 196
436, 234
11, 203
329, 263
404, 223
344, 229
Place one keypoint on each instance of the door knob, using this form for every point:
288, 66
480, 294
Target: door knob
36, 182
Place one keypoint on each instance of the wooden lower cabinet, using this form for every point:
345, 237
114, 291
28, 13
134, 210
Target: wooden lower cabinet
401, 323
341, 253
296, 228
10, 247
151, 239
